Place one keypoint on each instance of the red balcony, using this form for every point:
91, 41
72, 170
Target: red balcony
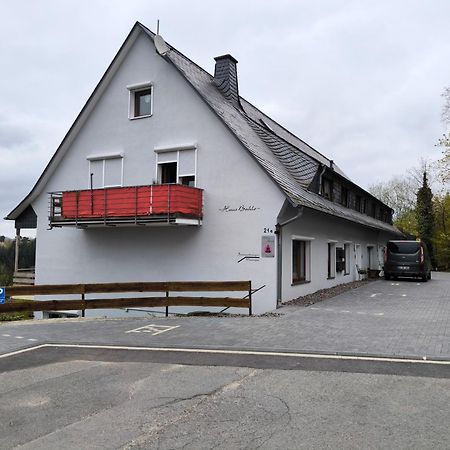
138, 205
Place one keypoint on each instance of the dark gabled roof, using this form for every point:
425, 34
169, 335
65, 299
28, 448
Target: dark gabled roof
289, 161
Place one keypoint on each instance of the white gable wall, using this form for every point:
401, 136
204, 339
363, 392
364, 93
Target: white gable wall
225, 170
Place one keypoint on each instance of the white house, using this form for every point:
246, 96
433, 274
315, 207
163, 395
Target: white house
168, 174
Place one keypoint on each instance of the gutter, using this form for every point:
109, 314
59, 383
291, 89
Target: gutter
278, 231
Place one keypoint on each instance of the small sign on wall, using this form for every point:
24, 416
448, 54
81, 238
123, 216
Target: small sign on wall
2, 295
268, 246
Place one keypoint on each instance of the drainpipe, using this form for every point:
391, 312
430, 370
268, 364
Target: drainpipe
278, 231
320, 179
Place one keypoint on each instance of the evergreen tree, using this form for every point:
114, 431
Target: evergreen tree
425, 216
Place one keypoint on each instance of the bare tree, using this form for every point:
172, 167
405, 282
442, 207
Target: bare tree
444, 141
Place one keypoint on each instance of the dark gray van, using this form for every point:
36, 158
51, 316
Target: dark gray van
407, 259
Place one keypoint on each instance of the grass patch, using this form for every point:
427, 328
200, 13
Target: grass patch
14, 316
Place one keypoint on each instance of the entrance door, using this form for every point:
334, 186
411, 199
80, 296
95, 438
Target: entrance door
370, 256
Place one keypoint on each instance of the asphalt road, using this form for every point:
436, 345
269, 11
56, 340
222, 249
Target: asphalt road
85, 404
369, 369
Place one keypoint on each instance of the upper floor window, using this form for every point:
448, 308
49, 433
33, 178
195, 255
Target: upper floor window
141, 100
176, 165
105, 170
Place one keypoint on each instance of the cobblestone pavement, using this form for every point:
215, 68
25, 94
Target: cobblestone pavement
386, 318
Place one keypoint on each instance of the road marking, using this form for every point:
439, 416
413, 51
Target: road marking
24, 350
346, 311
19, 337
423, 360
153, 329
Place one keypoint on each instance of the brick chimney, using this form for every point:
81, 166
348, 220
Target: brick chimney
225, 78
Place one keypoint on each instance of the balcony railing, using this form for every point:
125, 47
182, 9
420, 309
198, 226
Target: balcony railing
138, 205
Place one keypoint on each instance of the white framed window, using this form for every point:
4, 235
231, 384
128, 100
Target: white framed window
301, 259
331, 259
105, 171
347, 250
177, 165
140, 100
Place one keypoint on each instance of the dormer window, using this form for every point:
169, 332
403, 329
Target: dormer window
327, 188
344, 196
358, 203
141, 100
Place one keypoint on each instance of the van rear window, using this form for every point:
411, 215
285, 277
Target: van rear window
406, 247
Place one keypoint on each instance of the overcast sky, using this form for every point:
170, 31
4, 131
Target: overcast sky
361, 80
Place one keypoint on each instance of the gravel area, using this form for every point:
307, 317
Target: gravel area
323, 294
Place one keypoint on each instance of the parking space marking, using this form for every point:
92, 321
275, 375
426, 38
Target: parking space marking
153, 329
19, 337
346, 311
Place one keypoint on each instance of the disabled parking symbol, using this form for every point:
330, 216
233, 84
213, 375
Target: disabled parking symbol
2, 295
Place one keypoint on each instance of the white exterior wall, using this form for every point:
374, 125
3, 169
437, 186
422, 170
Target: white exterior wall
225, 170
322, 229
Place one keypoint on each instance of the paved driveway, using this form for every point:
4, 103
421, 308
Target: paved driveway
387, 318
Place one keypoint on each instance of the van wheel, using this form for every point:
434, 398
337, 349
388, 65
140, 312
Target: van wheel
425, 278
429, 276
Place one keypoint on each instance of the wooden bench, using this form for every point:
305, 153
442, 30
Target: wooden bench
168, 287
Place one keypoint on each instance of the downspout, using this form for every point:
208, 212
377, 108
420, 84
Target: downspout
278, 231
320, 179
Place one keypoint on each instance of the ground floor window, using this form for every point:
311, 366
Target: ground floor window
347, 259
301, 256
331, 259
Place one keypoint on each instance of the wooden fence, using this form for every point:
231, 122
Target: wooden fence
168, 288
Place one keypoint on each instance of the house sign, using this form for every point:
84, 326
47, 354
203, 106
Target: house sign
267, 246
241, 208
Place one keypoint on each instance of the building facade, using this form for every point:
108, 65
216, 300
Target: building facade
168, 174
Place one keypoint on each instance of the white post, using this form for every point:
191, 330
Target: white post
16, 257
